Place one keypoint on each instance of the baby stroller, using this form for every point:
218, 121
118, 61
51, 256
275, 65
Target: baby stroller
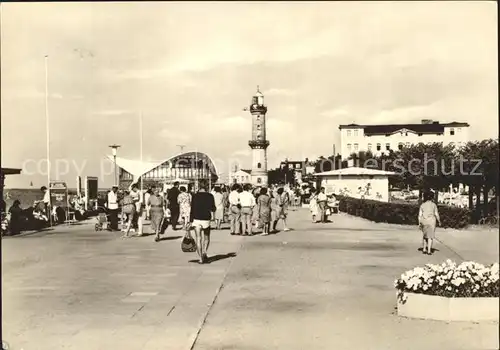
102, 219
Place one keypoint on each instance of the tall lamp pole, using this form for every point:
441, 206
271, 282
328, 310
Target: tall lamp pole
47, 129
114, 148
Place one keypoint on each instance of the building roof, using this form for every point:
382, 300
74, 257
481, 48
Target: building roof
355, 171
11, 171
138, 168
248, 171
432, 128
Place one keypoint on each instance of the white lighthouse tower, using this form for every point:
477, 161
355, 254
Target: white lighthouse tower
258, 143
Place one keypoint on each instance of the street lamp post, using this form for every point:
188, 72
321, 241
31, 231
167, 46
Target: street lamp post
114, 148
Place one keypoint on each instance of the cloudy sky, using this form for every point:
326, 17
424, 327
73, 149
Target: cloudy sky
190, 68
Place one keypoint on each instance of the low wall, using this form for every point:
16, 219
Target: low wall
432, 307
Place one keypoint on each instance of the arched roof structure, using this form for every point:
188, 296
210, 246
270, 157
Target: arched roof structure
138, 168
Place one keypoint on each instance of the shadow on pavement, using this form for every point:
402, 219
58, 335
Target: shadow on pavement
218, 257
47, 230
170, 238
215, 258
433, 250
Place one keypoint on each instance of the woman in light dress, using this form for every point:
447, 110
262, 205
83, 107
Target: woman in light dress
129, 209
282, 202
219, 205
264, 211
184, 200
428, 217
156, 204
313, 206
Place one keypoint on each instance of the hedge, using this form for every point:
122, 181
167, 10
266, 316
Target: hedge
400, 213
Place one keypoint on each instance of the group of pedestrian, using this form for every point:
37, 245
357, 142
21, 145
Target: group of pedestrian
321, 205
261, 208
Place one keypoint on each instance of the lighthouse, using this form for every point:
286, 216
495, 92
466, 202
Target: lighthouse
258, 143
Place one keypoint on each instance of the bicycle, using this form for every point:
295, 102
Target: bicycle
490, 220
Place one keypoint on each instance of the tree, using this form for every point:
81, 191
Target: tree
477, 166
280, 176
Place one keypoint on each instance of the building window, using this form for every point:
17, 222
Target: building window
420, 134
259, 180
349, 147
379, 147
348, 132
258, 126
400, 146
369, 147
259, 165
388, 146
355, 132
452, 131
355, 147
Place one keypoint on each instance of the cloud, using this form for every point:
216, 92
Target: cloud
29, 94
280, 92
336, 113
230, 124
174, 137
242, 152
112, 112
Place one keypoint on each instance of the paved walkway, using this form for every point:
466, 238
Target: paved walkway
321, 286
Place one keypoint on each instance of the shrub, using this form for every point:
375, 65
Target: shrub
469, 279
400, 213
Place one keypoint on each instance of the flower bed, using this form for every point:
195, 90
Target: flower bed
451, 292
400, 213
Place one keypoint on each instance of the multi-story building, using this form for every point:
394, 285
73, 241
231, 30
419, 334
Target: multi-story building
380, 139
241, 176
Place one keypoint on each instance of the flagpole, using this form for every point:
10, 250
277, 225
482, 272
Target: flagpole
197, 169
47, 128
140, 137
143, 205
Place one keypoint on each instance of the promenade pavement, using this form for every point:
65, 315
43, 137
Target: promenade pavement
319, 286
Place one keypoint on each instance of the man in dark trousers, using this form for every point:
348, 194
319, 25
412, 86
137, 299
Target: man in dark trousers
113, 208
173, 205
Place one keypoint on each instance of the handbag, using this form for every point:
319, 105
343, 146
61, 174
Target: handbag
188, 244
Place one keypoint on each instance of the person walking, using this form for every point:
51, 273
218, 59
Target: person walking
136, 196
247, 202
173, 205
112, 205
156, 203
46, 201
234, 210
129, 209
313, 207
146, 200
16, 218
225, 201
264, 210
184, 200
283, 200
274, 210
219, 205
321, 200
202, 207
428, 217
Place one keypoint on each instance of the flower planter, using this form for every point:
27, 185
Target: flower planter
447, 309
